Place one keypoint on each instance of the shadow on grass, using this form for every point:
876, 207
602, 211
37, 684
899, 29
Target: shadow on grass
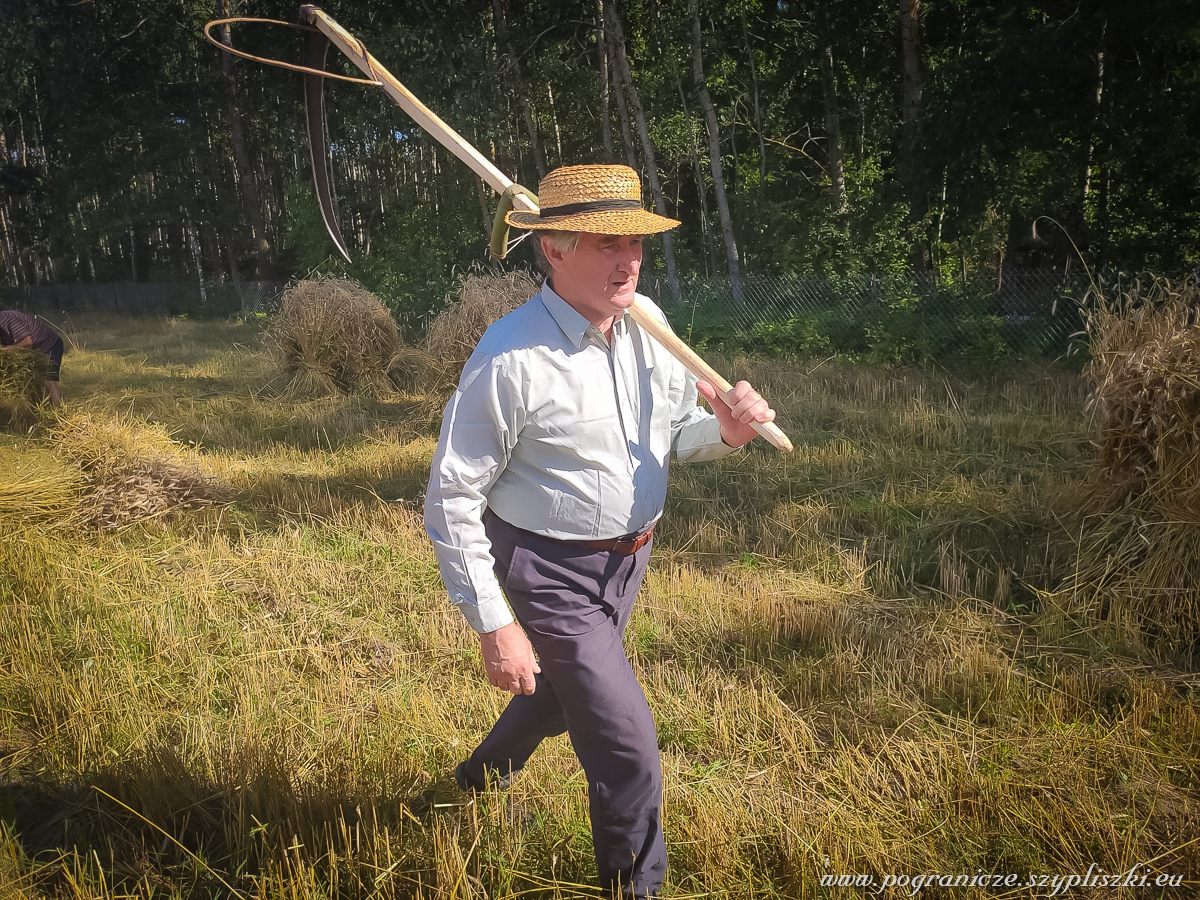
158, 825
337, 424
273, 496
813, 520
274, 825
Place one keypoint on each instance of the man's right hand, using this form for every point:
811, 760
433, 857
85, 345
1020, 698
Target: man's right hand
508, 659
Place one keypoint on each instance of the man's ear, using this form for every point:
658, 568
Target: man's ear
553, 255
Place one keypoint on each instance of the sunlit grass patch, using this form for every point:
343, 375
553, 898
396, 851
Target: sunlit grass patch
847, 649
36, 487
883, 724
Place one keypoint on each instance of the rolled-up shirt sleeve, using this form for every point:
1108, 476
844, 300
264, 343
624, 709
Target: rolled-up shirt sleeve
697, 436
695, 431
479, 429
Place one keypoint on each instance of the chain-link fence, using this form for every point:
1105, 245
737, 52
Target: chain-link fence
146, 298
901, 318
892, 318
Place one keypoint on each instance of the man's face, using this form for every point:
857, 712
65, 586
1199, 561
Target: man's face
599, 278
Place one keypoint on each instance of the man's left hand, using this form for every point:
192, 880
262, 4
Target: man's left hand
746, 405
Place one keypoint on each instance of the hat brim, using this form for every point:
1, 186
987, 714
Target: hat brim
612, 221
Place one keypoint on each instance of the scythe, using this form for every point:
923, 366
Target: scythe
323, 30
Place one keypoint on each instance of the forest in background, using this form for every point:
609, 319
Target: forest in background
837, 137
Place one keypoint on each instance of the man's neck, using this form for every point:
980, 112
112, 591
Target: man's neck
605, 325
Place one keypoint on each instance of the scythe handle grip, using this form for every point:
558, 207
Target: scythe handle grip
499, 247
691, 360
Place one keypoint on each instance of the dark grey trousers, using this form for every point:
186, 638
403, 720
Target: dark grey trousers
574, 603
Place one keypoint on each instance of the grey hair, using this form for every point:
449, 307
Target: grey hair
562, 241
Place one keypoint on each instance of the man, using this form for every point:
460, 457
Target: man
17, 329
549, 476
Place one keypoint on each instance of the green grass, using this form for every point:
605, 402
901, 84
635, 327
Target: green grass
848, 651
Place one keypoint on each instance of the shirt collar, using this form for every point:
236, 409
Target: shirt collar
573, 325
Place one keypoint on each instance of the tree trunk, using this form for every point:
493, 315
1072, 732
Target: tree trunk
758, 125
1097, 101
483, 192
602, 61
714, 152
10, 252
235, 274
554, 122
660, 205
194, 246
622, 110
8, 235
1103, 161
245, 170
910, 44
212, 253
833, 127
514, 68
910, 135
501, 134
701, 191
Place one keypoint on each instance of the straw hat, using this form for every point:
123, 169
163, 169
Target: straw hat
595, 199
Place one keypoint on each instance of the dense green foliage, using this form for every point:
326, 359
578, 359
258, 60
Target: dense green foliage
889, 319
126, 152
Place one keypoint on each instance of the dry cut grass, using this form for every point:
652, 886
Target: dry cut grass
1145, 372
135, 470
482, 297
841, 649
37, 488
22, 373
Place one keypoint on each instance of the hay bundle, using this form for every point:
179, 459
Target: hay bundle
333, 336
1146, 383
136, 471
22, 382
36, 490
1139, 533
483, 297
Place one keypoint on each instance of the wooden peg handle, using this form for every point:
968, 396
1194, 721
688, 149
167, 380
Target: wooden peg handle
698, 367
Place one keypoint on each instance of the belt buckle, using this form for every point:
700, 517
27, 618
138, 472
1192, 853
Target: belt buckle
633, 545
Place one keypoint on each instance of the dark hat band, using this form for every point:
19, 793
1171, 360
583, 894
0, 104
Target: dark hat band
571, 209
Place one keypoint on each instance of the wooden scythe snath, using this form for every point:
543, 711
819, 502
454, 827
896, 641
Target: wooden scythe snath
323, 30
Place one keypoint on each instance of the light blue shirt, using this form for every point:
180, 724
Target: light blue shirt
560, 432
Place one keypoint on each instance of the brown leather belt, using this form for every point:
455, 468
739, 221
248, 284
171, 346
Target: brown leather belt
626, 546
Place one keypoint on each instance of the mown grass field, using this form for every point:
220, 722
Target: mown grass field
856, 654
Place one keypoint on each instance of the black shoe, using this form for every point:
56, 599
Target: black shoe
439, 796
471, 785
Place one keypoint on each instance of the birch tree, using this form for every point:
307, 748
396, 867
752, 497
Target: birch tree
714, 153
660, 205
913, 85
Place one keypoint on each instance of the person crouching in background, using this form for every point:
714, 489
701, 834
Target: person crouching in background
18, 329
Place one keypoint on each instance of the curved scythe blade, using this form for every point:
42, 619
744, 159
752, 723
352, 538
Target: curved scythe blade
315, 45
